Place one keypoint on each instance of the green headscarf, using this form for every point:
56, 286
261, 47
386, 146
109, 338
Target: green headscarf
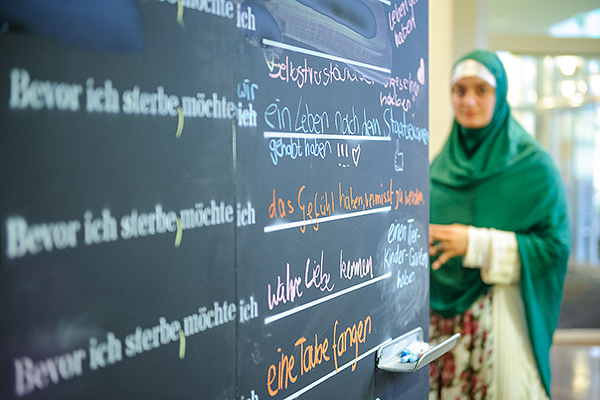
500, 177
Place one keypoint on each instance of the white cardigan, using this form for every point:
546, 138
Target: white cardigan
515, 373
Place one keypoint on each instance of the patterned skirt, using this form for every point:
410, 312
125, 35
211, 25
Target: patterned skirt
465, 372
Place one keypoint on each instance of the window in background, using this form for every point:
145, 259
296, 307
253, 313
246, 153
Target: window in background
557, 99
586, 25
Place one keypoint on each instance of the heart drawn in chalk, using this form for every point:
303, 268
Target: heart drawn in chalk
356, 154
421, 73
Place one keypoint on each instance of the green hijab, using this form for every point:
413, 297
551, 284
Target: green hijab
500, 177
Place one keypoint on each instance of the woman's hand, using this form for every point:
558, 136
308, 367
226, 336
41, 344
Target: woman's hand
450, 241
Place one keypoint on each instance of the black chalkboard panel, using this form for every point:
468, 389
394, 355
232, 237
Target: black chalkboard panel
212, 199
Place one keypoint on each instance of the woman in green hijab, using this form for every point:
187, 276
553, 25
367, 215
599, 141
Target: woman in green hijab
499, 244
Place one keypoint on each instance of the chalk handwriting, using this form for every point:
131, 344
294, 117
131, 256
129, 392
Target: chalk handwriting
418, 257
316, 353
279, 207
318, 278
309, 122
317, 148
347, 124
403, 238
405, 279
350, 337
245, 90
279, 117
360, 267
414, 197
394, 256
180, 122
304, 121
403, 12
401, 92
305, 74
312, 354
284, 291
403, 130
180, 20
398, 158
348, 201
318, 204
398, 232
281, 374
351, 124
342, 150
289, 147
288, 289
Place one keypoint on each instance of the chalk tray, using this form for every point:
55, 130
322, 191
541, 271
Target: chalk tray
388, 355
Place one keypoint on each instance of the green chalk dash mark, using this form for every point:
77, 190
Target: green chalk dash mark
180, 14
180, 123
270, 63
181, 344
179, 233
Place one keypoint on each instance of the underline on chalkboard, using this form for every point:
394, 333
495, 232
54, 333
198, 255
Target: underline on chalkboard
269, 42
290, 225
332, 296
331, 136
334, 372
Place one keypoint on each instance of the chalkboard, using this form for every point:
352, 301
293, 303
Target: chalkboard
212, 199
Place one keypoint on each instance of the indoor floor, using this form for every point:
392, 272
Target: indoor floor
575, 355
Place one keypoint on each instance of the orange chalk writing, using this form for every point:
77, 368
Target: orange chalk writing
380, 199
414, 197
312, 355
348, 338
281, 373
317, 206
348, 201
399, 198
278, 207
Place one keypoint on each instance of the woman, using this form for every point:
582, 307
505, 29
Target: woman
499, 243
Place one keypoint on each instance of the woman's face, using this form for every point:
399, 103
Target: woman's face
474, 101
